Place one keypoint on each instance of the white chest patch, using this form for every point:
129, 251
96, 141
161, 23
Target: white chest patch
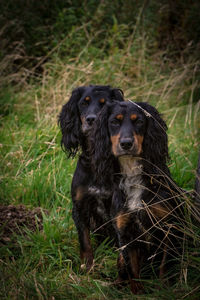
131, 182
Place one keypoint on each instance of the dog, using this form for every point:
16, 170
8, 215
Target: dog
129, 156
91, 206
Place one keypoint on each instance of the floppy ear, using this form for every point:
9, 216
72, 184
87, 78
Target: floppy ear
70, 123
101, 147
117, 94
155, 145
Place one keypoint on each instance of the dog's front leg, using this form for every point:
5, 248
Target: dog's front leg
131, 253
81, 220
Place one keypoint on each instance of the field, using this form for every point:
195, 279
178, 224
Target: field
44, 264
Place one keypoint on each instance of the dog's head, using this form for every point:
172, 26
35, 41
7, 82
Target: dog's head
79, 113
129, 129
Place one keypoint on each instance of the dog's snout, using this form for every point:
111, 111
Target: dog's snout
126, 143
90, 119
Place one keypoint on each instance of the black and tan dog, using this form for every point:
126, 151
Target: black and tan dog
91, 206
130, 152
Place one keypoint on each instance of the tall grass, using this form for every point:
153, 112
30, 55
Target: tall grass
35, 171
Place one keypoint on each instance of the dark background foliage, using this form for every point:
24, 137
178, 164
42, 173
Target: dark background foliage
31, 29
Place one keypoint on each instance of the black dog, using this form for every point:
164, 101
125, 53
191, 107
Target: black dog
91, 206
130, 155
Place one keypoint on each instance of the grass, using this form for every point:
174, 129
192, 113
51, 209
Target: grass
35, 172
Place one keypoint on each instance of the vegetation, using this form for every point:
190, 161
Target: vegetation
53, 49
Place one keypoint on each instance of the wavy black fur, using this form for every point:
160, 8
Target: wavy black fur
155, 145
91, 205
134, 195
70, 120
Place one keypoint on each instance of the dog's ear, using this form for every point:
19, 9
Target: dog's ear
70, 123
101, 146
155, 145
117, 94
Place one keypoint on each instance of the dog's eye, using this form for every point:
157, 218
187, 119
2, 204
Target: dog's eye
115, 122
85, 103
139, 122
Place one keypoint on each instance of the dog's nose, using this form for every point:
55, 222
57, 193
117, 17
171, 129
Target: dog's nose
90, 119
126, 143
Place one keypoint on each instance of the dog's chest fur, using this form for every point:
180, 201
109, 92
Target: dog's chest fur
131, 182
100, 195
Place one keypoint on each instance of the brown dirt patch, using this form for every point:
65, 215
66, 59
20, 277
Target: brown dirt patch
16, 219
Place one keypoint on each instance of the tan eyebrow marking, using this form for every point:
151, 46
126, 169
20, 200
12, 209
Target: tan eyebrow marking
119, 117
102, 100
87, 98
133, 117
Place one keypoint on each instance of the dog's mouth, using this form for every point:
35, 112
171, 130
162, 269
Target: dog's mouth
134, 152
87, 123
128, 154
86, 128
